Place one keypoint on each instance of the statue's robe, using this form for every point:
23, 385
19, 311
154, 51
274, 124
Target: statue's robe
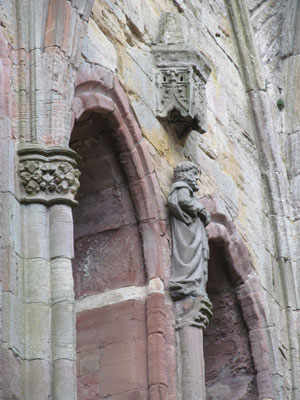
190, 243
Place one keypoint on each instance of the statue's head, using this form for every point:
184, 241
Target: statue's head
187, 172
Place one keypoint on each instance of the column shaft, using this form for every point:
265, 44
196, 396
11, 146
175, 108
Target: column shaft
190, 340
192, 317
62, 304
37, 371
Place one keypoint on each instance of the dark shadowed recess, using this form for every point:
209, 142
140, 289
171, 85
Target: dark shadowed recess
229, 368
108, 251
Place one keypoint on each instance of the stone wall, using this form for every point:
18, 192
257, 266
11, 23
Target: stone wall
226, 153
232, 154
112, 352
64, 62
11, 277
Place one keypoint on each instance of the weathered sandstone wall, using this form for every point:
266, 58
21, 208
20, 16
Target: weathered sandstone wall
88, 67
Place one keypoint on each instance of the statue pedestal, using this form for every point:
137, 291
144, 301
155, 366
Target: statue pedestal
192, 316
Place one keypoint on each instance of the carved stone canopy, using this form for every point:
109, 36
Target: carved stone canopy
181, 76
48, 175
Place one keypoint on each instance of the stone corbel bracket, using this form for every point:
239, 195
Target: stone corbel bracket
193, 311
181, 78
48, 175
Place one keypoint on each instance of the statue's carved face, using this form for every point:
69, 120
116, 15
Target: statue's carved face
191, 177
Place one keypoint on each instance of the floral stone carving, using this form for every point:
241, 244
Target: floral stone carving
61, 178
48, 175
181, 77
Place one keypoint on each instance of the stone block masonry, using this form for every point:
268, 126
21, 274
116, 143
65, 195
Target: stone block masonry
90, 66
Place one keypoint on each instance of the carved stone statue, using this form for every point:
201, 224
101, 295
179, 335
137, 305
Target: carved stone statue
190, 241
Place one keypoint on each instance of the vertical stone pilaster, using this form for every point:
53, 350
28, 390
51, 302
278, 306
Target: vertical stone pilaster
271, 166
48, 184
46, 40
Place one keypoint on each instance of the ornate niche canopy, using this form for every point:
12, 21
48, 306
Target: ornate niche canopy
181, 76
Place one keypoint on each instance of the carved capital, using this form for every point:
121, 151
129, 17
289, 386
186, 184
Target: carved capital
48, 175
182, 73
193, 311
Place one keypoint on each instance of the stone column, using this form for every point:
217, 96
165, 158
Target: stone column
48, 184
192, 317
62, 303
37, 318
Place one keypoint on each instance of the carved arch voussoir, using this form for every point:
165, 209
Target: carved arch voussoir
98, 90
249, 291
92, 102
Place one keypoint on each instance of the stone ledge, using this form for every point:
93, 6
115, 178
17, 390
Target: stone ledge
111, 297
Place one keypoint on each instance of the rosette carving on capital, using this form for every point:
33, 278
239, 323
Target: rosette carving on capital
48, 175
61, 178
